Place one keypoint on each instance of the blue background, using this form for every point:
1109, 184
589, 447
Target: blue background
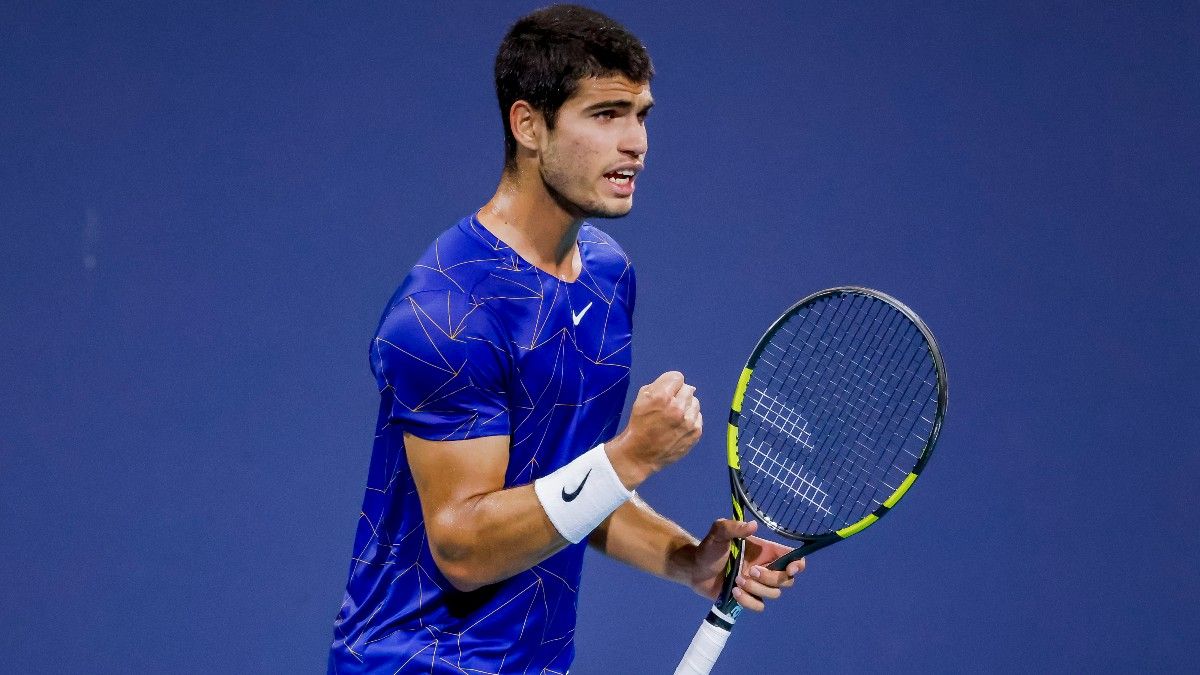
205, 208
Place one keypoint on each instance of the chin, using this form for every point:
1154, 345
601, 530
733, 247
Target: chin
617, 210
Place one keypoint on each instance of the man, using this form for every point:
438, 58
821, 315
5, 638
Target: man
503, 365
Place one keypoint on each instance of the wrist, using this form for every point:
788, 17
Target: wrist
682, 563
631, 472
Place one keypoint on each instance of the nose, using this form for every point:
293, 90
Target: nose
634, 141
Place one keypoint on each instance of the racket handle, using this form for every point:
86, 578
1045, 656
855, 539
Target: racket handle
706, 646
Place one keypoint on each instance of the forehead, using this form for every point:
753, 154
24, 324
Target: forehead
610, 87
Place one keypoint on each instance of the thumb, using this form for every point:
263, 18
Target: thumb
726, 529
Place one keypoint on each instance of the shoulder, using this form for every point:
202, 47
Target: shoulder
441, 342
443, 317
457, 261
603, 248
436, 303
608, 266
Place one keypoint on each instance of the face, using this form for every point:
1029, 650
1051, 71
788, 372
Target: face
590, 160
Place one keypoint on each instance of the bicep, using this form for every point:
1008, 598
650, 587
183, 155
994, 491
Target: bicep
478, 531
451, 475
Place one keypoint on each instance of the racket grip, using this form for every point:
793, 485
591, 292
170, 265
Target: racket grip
706, 647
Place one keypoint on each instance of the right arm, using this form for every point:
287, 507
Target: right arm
480, 532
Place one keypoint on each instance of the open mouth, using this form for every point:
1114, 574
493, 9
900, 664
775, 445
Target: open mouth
622, 177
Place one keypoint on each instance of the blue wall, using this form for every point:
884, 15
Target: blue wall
205, 208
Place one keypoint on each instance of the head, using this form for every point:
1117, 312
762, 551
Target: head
574, 89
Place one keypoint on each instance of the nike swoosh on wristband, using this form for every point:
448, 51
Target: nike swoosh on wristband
570, 496
579, 317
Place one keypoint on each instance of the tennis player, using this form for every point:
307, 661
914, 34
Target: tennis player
503, 364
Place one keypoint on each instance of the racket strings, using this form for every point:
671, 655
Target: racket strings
851, 462
777, 499
856, 500
821, 347
836, 413
888, 466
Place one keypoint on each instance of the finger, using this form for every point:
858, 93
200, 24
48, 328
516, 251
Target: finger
670, 382
765, 550
685, 394
692, 413
796, 567
771, 578
757, 589
747, 600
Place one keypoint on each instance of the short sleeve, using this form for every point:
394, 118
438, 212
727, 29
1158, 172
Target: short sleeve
630, 290
444, 362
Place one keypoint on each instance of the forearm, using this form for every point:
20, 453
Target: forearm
638, 536
491, 537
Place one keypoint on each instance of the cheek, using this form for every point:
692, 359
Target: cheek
574, 159
574, 162
588, 145
581, 153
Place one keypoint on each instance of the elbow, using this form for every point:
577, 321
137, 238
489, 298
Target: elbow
457, 558
464, 584
462, 577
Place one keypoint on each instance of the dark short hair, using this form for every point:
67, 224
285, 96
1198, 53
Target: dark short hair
545, 54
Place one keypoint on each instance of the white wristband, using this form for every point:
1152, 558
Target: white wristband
580, 495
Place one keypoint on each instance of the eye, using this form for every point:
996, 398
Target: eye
606, 114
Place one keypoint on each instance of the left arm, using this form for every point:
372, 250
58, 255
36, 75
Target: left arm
636, 535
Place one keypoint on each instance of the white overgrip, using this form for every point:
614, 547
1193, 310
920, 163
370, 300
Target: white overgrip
702, 654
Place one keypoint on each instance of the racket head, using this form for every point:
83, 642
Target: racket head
836, 413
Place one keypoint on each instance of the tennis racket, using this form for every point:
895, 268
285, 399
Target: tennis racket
833, 418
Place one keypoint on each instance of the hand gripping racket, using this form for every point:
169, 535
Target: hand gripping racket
834, 416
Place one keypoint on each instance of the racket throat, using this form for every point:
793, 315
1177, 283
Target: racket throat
726, 608
723, 616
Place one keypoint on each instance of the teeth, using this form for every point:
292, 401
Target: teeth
621, 176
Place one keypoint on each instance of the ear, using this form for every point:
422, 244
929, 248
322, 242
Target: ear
527, 125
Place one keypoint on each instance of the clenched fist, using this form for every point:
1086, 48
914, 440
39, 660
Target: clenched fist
664, 425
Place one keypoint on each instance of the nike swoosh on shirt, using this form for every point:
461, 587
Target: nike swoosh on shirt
570, 496
579, 317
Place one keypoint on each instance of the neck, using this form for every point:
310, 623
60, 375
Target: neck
526, 216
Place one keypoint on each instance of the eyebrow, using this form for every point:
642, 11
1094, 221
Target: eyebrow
620, 104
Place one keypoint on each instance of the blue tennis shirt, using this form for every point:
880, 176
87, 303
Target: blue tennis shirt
478, 342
